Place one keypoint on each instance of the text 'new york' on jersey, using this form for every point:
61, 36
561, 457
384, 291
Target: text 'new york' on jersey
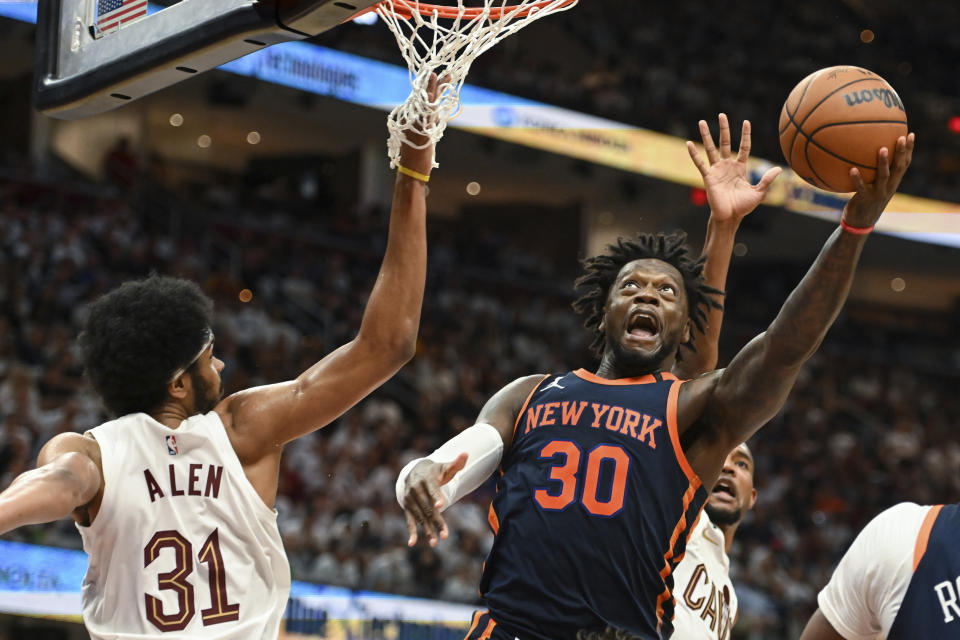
593, 505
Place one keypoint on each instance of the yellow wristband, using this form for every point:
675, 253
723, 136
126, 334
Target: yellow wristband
416, 175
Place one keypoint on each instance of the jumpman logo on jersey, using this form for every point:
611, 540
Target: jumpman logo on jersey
555, 383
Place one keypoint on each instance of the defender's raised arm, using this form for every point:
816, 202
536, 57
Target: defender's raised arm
265, 418
731, 198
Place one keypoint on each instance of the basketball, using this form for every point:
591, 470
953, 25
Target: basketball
837, 118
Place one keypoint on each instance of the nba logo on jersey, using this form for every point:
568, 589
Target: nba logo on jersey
172, 448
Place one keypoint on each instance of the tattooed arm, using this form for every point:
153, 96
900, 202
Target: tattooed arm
729, 406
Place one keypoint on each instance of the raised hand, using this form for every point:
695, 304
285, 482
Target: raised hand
864, 208
729, 193
412, 157
422, 498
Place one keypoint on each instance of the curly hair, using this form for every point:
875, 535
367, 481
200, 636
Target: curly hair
600, 272
138, 335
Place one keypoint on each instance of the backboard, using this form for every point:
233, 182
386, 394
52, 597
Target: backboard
89, 60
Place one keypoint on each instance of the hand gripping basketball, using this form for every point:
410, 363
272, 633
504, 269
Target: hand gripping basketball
864, 208
422, 498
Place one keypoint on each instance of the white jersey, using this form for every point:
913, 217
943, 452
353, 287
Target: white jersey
863, 597
706, 603
183, 546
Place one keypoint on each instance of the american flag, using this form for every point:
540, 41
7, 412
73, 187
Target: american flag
112, 14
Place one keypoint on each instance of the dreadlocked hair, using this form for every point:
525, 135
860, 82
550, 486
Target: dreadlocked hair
599, 273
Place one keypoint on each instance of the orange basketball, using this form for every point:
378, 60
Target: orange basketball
838, 118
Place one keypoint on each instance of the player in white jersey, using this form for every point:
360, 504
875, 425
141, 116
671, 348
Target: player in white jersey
174, 499
900, 580
706, 602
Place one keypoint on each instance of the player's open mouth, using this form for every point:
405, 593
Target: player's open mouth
724, 486
643, 325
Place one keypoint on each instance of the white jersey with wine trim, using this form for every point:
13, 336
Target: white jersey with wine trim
706, 602
183, 546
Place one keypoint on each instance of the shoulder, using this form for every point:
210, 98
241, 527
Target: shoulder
517, 392
78, 456
695, 393
886, 540
501, 411
694, 397
896, 527
865, 590
65, 443
706, 544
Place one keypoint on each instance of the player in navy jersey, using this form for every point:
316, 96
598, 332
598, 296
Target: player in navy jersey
899, 580
601, 474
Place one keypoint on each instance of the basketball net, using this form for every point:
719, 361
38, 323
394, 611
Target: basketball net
446, 43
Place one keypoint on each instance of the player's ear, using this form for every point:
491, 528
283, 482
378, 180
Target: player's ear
753, 499
686, 332
178, 389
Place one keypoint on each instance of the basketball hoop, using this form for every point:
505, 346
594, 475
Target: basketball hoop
446, 39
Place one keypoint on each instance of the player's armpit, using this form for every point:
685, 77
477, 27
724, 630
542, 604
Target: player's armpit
501, 410
67, 478
819, 628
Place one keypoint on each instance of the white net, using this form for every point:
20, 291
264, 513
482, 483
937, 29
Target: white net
447, 46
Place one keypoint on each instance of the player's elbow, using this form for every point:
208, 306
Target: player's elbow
403, 349
394, 349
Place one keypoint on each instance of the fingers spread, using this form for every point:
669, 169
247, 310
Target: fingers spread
745, 142
768, 178
708, 145
697, 160
724, 136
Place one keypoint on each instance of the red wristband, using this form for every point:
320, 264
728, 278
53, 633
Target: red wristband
860, 231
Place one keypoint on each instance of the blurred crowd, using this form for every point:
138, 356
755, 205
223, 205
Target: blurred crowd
869, 424
667, 65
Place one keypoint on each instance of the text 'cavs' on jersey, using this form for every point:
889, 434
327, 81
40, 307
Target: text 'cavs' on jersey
593, 505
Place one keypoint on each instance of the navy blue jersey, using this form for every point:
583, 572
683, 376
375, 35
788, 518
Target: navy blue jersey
931, 605
592, 510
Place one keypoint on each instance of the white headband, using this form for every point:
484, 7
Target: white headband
179, 372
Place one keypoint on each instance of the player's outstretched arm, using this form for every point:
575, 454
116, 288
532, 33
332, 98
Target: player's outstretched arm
427, 486
262, 419
65, 479
737, 401
731, 198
